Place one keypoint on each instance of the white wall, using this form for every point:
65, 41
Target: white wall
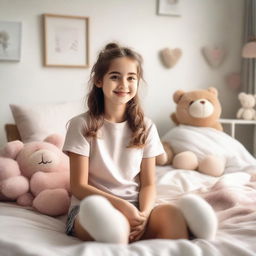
133, 23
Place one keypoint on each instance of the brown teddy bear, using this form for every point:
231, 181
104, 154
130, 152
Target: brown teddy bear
200, 108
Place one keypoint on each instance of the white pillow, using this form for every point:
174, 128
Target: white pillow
35, 122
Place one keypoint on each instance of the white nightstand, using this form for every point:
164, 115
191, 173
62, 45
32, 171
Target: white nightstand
234, 122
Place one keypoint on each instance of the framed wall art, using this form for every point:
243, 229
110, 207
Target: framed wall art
66, 41
168, 7
10, 41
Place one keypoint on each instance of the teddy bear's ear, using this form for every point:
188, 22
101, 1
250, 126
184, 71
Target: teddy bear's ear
55, 139
213, 90
177, 95
241, 95
12, 149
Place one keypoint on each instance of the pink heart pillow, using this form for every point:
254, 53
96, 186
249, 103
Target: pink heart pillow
214, 56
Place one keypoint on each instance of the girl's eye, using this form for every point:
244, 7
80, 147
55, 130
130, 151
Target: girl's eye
132, 78
114, 77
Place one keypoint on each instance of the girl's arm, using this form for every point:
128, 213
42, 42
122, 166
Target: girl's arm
146, 196
79, 168
147, 185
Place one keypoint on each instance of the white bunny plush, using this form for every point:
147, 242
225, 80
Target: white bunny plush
247, 111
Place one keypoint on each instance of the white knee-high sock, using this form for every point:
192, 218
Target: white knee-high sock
102, 221
200, 216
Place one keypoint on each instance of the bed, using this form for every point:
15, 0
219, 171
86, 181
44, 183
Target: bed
233, 197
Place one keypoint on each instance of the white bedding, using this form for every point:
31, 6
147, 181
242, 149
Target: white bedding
233, 197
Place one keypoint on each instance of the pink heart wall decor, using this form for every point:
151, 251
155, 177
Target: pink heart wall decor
214, 56
170, 57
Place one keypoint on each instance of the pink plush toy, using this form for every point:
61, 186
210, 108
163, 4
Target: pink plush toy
10, 174
36, 174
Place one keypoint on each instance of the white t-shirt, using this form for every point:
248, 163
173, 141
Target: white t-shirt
113, 167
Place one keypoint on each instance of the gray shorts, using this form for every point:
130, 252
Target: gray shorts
71, 219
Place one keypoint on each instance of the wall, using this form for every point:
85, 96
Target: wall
136, 24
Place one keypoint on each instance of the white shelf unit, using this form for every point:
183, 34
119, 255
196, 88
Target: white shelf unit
234, 122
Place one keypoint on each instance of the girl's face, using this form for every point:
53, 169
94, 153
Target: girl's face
120, 83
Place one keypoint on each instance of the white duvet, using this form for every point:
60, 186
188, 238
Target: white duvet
206, 141
233, 197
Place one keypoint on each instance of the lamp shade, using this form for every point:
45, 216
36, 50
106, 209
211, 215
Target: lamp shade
249, 50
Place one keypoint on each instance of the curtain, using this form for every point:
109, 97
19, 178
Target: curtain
249, 65
248, 75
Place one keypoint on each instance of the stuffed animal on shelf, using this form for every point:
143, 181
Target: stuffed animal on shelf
36, 174
247, 111
200, 108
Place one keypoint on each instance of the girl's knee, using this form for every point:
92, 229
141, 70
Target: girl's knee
166, 211
167, 221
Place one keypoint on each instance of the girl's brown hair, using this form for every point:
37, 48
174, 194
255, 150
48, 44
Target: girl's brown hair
95, 100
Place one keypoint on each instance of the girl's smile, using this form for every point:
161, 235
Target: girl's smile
121, 93
120, 83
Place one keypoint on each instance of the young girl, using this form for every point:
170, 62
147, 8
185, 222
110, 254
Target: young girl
112, 149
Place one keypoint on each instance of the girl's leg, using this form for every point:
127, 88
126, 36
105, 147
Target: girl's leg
98, 220
80, 232
166, 221
193, 212
199, 215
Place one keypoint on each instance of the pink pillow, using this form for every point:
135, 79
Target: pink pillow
35, 122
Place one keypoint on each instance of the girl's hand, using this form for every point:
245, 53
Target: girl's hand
137, 220
131, 213
137, 231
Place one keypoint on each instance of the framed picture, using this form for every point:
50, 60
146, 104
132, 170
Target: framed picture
169, 7
66, 41
10, 41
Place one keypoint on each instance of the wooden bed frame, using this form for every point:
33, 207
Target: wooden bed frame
12, 132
